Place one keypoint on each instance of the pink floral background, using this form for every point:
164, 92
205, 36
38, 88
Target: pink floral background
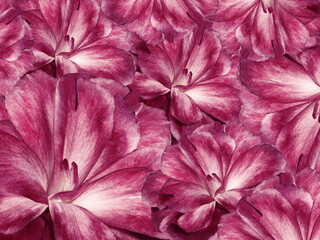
160, 119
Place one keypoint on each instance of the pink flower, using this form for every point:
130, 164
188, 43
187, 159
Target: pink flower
76, 35
286, 93
15, 59
284, 208
152, 18
266, 28
76, 155
204, 172
193, 72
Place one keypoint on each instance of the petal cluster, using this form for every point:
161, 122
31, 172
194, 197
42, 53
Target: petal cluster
159, 119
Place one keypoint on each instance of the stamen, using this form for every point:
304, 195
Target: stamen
191, 144
257, 210
76, 100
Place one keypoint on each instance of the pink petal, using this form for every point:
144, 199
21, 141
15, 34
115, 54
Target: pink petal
309, 180
3, 111
35, 93
232, 9
175, 164
270, 215
114, 87
154, 127
124, 11
207, 7
291, 32
71, 221
16, 212
289, 81
302, 203
148, 88
144, 157
176, 13
36, 229
107, 202
309, 60
83, 123
84, 18
197, 219
273, 123
226, 105
183, 197
151, 187
124, 139
254, 166
22, 173
103, 61
233, 227
156, 64
12, 28
298, 137
183, 108
265, 43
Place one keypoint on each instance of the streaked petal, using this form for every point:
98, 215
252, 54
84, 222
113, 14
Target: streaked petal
232, 9
253, 166
124, 11
218, 100
297, 138
74, 222
270, 214
104, 61
289, 81
107, 202
183, 108
198, 219
34, 93
16, 212
83, 123
154, 127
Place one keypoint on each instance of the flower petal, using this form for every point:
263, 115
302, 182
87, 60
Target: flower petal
107, 202
71, 221
16, 212
103, 61
83, 123
254, 166
30, 106
226, 105
198, 219
183, 108
289, 81
270, 214
124, 11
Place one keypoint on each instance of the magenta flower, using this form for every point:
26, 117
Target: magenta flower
194, 73
284, 208
266, 28
152, 18
292, 107
76, 155
15, 59
75, 34
204, 170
